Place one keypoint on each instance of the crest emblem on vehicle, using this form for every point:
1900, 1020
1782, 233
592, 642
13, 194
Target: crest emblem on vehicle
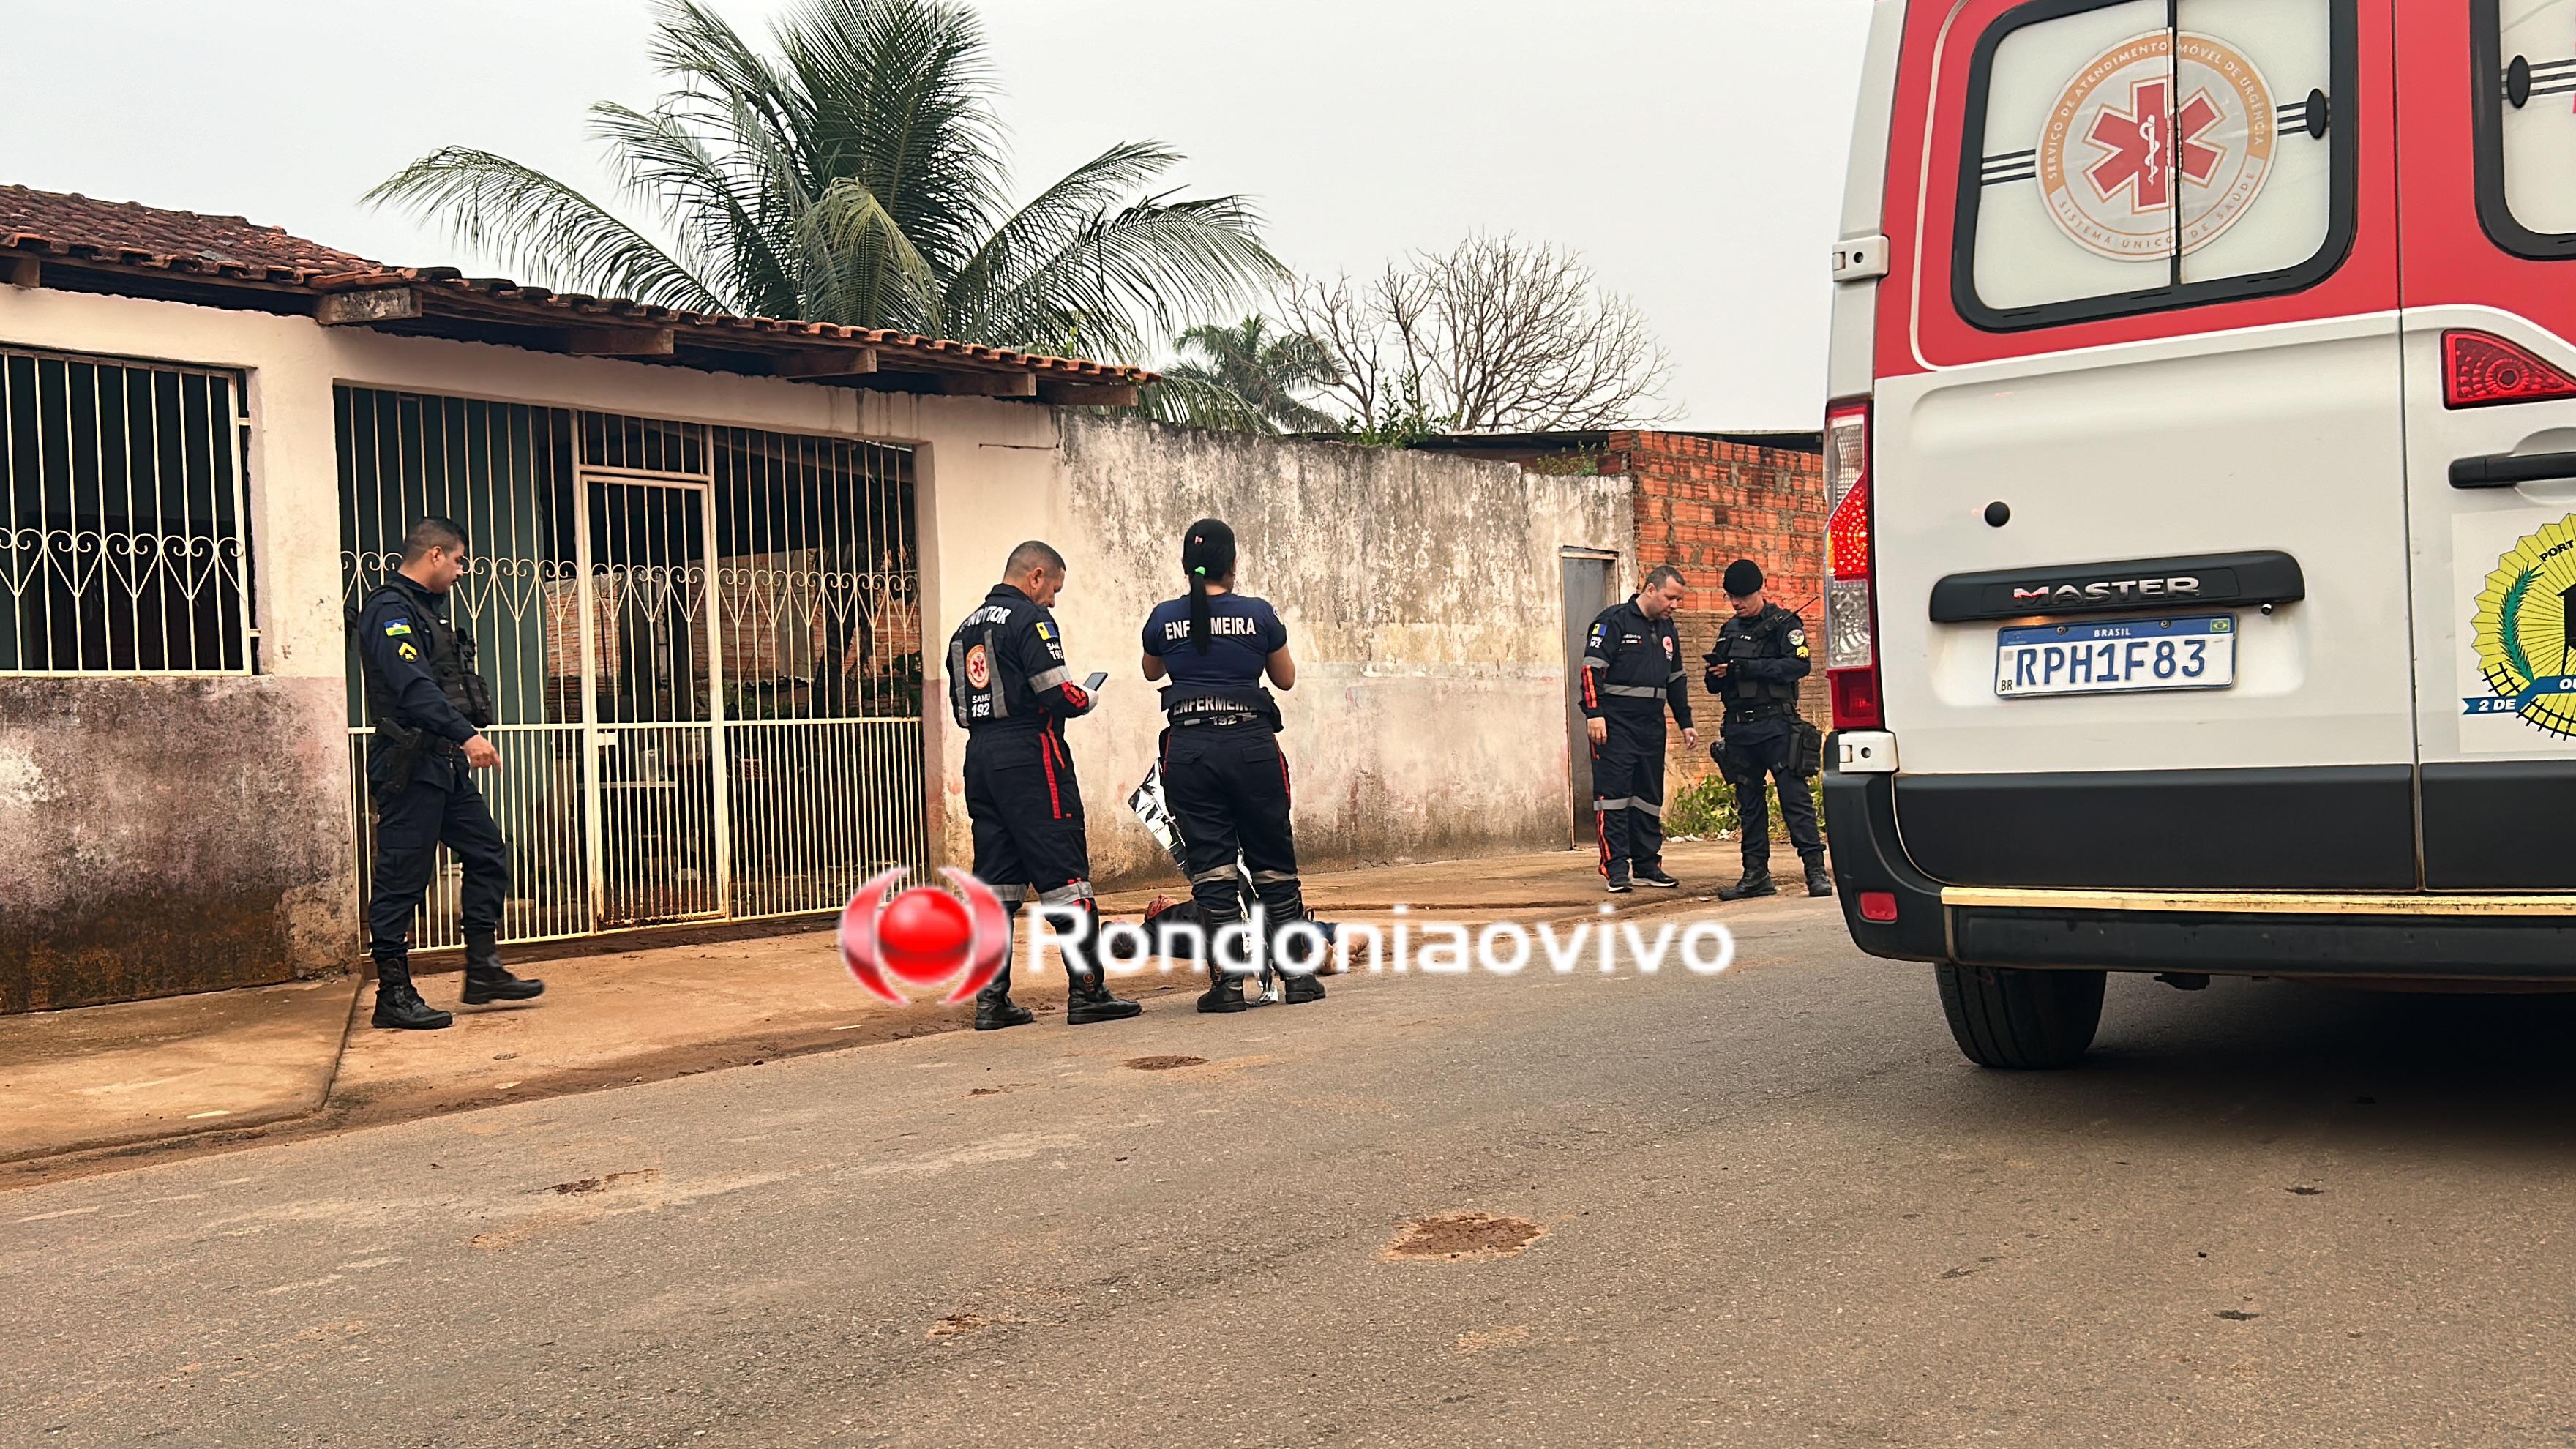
979, 667
2526, 632
2147, 144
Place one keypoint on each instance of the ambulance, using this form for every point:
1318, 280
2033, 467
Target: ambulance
2201, 461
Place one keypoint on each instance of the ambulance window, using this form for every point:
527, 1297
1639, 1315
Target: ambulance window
2138, 155
2527, 124
2259, 191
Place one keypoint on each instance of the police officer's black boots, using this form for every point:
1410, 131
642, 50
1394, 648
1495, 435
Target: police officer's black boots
487, 980
994, 1008
1818, 883
398, 1005
1756, 882
1304, 988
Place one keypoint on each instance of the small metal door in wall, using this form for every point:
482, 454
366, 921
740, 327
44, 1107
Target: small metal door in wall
654, 708
1586, 582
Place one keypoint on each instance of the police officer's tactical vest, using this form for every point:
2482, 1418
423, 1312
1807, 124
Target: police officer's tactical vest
1766, 636
451, 662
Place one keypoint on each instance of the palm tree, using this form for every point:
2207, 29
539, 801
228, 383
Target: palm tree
1245, 377
856, 177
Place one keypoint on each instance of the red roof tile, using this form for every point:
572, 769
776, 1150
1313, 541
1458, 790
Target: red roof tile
123, 226
126, 235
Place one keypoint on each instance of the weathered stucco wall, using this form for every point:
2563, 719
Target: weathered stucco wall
1423, 602
167, 835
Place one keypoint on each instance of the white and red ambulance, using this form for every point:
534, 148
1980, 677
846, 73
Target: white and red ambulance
2202, 461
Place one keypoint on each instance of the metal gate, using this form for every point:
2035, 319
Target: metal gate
705, 646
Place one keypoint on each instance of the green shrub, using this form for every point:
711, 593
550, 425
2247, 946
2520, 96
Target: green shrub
1705, 809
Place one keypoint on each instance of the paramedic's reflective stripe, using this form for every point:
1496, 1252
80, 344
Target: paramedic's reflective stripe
1673, 678
1274, 877
1634, 691
1629, 802
993, 678
1595, 661
1066, 894
1049, 679
1206, 877
1009, 895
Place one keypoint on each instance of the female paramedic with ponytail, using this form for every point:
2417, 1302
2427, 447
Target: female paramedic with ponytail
1223, 775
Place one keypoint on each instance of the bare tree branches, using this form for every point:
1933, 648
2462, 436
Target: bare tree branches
1499, 335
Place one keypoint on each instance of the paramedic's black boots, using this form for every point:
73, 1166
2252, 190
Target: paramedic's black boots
1756, 882
1224, 993
1818, 883
487, 980
994, 1008
1087, 999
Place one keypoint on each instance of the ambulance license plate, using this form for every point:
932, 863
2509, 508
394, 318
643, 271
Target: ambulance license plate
2129, 656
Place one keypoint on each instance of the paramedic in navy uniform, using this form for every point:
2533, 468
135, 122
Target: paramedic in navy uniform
1223, 775
1011, 691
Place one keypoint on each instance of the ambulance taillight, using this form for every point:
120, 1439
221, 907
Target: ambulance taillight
1851, 619
2482, 371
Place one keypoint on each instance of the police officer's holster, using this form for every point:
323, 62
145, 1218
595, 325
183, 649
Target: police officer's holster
1761, 746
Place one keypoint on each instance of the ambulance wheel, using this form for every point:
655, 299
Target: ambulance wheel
2021, 1020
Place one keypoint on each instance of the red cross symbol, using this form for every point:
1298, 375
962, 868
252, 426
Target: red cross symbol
2140, 157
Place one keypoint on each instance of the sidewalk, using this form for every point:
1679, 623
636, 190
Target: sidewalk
113, 1083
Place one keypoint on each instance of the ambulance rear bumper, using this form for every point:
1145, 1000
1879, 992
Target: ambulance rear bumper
2394, 936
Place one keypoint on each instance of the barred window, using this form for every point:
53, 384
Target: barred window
125, 540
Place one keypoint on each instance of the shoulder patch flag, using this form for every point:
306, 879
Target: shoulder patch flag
397, 627
1043, 632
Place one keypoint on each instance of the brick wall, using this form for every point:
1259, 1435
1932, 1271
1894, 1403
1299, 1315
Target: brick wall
1703, 503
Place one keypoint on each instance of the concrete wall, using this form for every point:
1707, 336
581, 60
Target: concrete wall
1421, 594
168, 835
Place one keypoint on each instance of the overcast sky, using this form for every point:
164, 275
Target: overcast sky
1692, 149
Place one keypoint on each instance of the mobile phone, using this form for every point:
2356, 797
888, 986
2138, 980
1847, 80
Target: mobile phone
1092, 685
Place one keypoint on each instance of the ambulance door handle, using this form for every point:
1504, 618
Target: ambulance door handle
2505, 470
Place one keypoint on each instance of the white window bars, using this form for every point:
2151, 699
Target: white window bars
125, 540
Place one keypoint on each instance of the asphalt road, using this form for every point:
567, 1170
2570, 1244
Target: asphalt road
1769, 1208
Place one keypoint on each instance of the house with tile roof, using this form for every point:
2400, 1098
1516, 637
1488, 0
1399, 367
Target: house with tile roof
708, 552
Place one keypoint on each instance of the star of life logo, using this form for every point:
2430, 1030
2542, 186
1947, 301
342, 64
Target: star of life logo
2154, 143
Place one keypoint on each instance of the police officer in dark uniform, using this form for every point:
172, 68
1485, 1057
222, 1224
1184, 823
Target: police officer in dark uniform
1761, 655
1223, 774
431, 707
1010, 689
1632, 670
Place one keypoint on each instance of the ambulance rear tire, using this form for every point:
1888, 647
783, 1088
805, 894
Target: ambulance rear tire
2021, 1020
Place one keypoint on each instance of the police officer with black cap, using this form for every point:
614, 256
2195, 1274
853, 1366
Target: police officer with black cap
1011, 691
1632, 671
431, 707
1761, 655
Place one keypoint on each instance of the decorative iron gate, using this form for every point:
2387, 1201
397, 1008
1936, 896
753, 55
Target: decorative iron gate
705, 646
